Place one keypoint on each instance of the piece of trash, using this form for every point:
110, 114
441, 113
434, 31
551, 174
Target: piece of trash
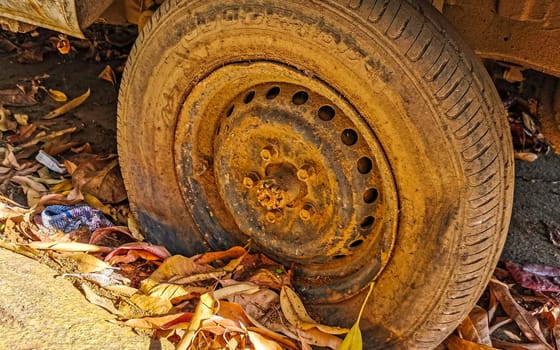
70, 218
50, 162
67, 107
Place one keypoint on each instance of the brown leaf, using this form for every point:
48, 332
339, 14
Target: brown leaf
453, 342
504, 345
24, 133
98, 300
155, 251
178, 265
526, 156
528, 324
101, 178
233, 252
6, 124
530, 280
6, 45
69, 106
108, 75
174, 321
19, 97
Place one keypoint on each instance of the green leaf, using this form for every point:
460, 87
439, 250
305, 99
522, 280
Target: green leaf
353, 340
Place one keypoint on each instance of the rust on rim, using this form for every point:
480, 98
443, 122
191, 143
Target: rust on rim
292, 166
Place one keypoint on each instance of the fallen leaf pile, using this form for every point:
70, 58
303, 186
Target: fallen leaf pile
522, 109
104, 42
520, 310
230, 299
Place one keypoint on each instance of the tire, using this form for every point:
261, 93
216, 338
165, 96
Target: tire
359, 141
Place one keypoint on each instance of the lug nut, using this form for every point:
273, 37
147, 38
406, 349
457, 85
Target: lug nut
268, 153
305, 172
271, 217
307, 212
250, 180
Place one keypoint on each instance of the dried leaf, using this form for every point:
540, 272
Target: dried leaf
453, 342
294, 311
233, 252
108, 75
24, 133
63, 44
151, 305
219, 325
43, 137
531, 281
101, 178
235, 289
526, 156
293, 308
528, 324
69, 106
542, 270
178, 265
156, 250
88, 263
262, 343
480, 320
98, 300
175, 293
206, 307
174, 321
315, 337
6, 124
67, 247
19, 97
56, 95
504, 345
21, 119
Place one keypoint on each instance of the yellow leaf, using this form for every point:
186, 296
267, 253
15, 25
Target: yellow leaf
293, 307
353, 340
56, 95
151, 305
238, 288
67, 107
261, 343
66, 246
87, 262
176, 266
98, 300
204, 309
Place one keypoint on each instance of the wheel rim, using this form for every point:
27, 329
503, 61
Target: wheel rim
281, 159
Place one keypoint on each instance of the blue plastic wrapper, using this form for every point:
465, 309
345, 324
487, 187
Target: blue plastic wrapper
70, 218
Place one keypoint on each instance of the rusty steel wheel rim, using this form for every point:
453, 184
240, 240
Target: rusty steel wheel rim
268, 154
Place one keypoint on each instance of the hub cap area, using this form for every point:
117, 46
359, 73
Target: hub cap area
297, 172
